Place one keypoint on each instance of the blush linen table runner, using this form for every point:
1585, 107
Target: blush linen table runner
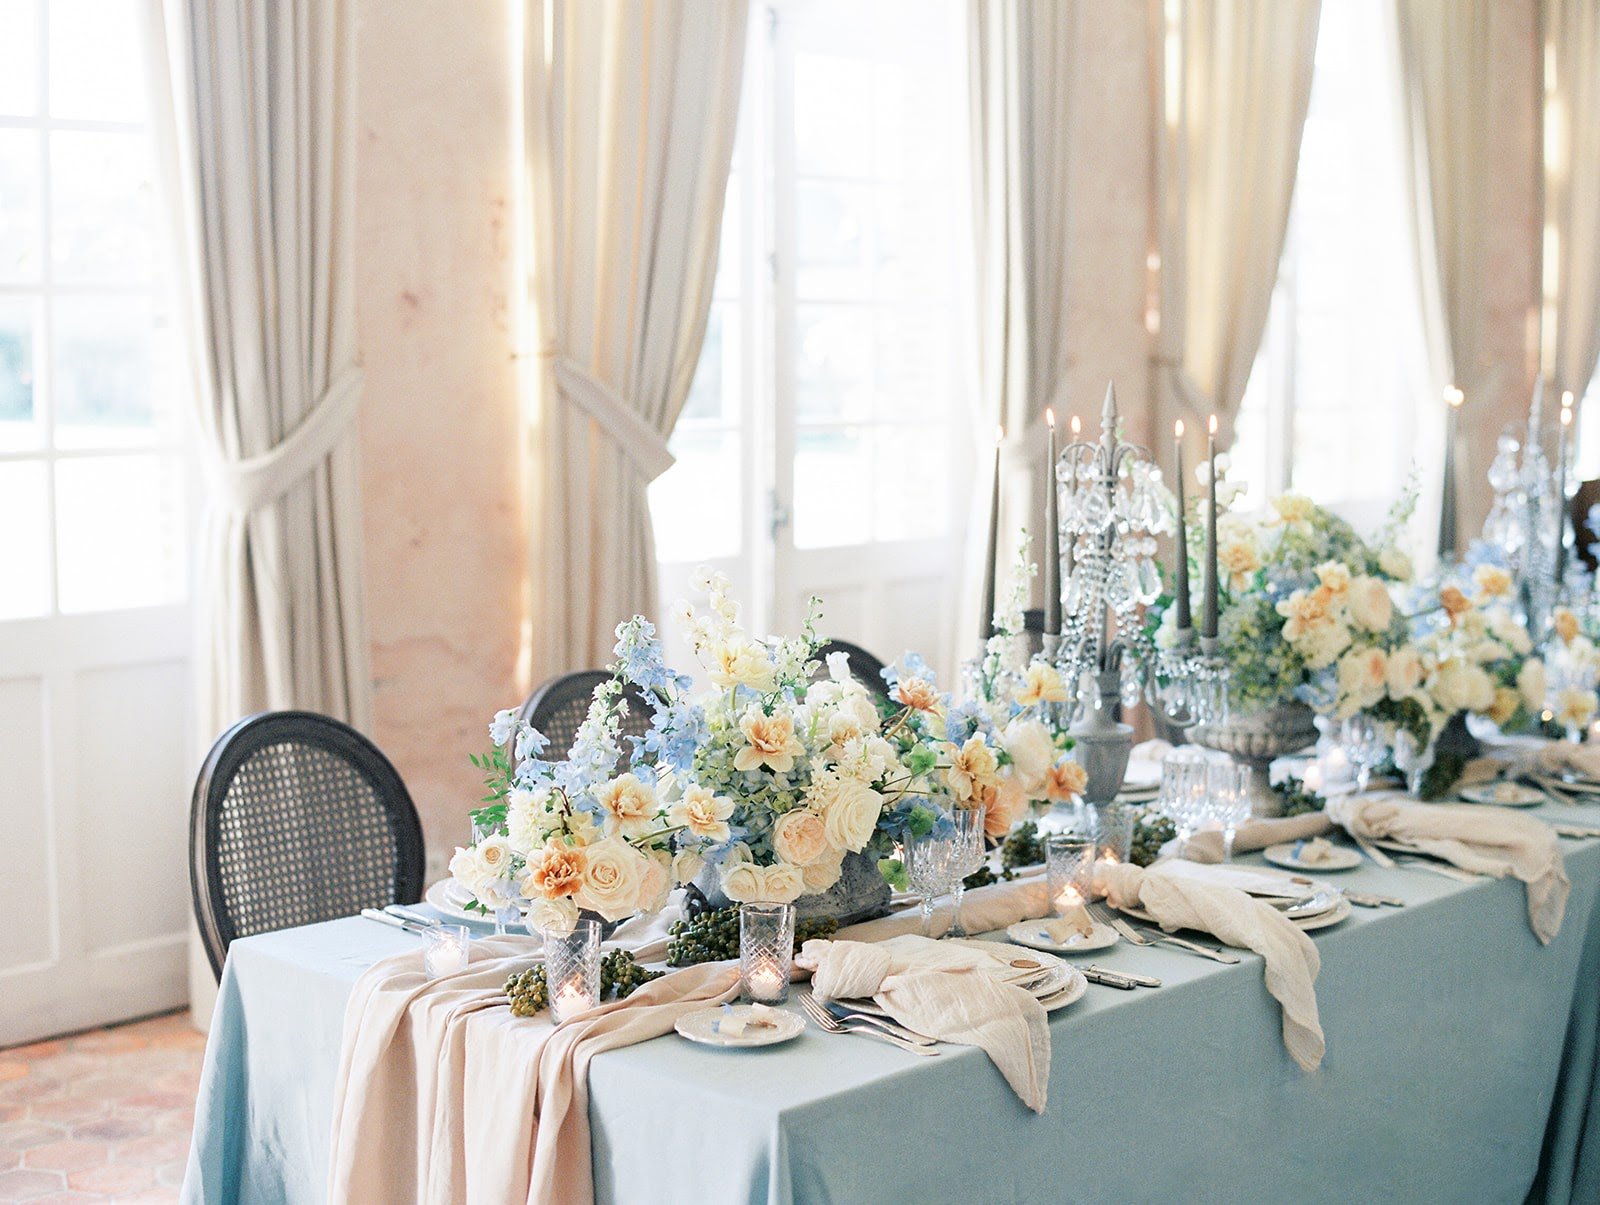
443, 1096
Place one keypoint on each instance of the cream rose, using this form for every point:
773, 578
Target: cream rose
800, 837
1395, 563
612, 875
1031, 749
1237, 559
1041, 683
741, 882
973, 771
1492, 582
1575, 707
852, 814
782, 883
553, 916
1335, 575
823, 873
1293, 508
1506, 701
1370, 604
741, 662
656, 882
1363, 675
770, 741
1404, 672
1461, 686
687, 865
1533, 684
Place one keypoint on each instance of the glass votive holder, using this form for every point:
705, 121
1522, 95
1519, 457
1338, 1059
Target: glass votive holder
572, 969
1113, 832
766, 950
1069, 869
444, 950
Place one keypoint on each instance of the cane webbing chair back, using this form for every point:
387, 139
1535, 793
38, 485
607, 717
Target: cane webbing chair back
557, 709
864, 667
297, 818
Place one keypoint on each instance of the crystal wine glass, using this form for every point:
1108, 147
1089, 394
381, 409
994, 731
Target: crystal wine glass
1363, 744
968, 843
930, 863
1228, 789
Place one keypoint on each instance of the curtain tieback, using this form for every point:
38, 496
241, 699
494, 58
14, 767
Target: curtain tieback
245, 486
639, 441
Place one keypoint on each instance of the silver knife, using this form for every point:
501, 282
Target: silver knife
1109, 979
394, 922
404, 913
1136, 979
1194, 947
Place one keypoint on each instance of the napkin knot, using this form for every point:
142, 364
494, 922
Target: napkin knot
846, 970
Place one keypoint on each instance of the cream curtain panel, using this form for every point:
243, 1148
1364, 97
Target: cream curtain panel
262, 96
1020, 72
631, 107
1236, 81
1572, 193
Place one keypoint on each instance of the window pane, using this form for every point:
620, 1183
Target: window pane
24, 541
913, 363
96, 60
832, 488
695, 503
831, 97
19, 58
830, 241
112, 364
19, 426
714, 395
102, 207
20, 232
833, 361
911, 484
118, 520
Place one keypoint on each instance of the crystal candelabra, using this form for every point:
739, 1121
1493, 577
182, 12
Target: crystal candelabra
1528, 520
1111, 509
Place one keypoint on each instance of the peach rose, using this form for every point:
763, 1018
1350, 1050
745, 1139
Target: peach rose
917, 694
554, 871
630, 805
1065, 781
800, 837
770, 741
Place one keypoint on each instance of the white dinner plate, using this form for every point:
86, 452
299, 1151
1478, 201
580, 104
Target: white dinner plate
1504, 795
1319, 920
1058, 984
701, 1026
1283, 855
1031, 933
447, 897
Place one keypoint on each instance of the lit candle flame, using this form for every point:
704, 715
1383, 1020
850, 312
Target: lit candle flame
1050, 416
1212, 428
1566, 416
1177, 429
999, 436
1566, 399
1077, 427
1453, 396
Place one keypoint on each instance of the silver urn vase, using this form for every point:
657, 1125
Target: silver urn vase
1256, 739
1101, 743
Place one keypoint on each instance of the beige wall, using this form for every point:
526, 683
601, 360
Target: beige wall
445, 553
446, 559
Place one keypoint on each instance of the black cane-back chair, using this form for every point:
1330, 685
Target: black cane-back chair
864, 667
557, 708
297, 818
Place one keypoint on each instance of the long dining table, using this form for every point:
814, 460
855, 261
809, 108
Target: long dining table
1461, 1065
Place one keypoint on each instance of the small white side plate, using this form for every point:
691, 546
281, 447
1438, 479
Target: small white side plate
1283, 855
701, 1026
1031, 933
1504, 795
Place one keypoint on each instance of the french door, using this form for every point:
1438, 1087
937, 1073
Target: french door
95, 756
819, 452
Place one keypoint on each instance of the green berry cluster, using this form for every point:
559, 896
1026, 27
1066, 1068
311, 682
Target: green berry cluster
1297, 801
1022, 847
1150, 832
620, 977
714, 935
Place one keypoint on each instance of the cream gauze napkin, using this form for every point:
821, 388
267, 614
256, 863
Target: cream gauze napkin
1181, 898
444, 1096
946, 990
1253, 834
1488, 840
984, 910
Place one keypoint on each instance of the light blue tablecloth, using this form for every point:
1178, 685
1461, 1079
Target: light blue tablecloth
1459, 1050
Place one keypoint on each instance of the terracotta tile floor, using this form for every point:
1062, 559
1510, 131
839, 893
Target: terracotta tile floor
102, 1115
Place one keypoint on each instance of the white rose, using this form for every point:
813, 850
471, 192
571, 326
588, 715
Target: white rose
782, 883
1031, 750
1395, 563
852, 815
1370, 604
1533, 684
823, 873
612, 876
741, 882
838, 667
799, 837
1461, 686
1509, 632
1575, 707
686, 865
1485, 651
555, 916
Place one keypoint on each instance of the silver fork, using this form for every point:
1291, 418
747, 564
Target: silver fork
845, 1015
827, 1021
1151, 937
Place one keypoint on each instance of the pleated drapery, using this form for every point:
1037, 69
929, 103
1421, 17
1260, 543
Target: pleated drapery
630, 111
1019, 86
1571, 342
1237, 81
262, 107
